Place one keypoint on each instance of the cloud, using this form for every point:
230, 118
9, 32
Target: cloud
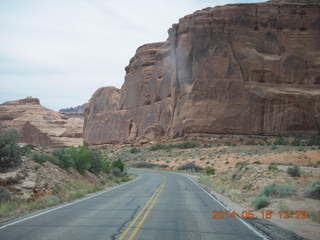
62, 51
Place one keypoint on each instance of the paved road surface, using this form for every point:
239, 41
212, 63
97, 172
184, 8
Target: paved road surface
159, 205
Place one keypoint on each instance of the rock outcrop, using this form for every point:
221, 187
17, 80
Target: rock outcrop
39, 125
77, 111
235, 69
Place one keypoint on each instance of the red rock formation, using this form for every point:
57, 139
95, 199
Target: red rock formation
39, 125
235, 69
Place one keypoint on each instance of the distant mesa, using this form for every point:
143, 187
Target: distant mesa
39, 125
77, 111
249, 69
25, 101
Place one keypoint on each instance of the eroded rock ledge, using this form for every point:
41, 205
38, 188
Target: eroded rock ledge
235, 69
40, 126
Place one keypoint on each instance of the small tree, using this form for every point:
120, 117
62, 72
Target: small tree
9, 150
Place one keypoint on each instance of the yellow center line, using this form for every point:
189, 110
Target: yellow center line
147, 212
150, 202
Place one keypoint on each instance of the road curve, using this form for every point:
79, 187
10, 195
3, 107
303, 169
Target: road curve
159, 205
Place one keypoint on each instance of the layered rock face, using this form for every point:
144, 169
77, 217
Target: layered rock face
39, 125
236, 69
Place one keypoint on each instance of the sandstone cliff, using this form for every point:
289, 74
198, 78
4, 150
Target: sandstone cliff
235, 69
39, 125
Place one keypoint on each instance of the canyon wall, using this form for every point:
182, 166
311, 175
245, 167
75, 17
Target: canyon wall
250, 69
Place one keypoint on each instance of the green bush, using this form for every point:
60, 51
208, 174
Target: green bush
210, 171
296, 142
160, 147
25, 150
117, 172
134, 150
106, 166
81, 157
118, 164
257, 162
278, 190
186, 145
190, 166
65, 159
314, 190
272, 167
96, 160
241, 165
314, 141
39, 158
260, 201
294, 171
235, 177
281, 141
5, 195
10, 152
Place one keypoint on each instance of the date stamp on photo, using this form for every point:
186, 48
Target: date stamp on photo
265, 214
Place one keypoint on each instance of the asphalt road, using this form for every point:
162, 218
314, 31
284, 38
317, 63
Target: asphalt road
159, 205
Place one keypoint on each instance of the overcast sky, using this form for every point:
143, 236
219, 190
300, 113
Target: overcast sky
61, 51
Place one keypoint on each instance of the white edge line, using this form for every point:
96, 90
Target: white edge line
68, 204
245, 223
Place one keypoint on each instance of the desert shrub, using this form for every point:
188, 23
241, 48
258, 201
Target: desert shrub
252, 143
39, 158
186, 145
260, 201
25, 150
296, 142
160, 147
235, 177
118, 164
81, 157
190, 166
96, 160
65, 159
281, 141
241, 165
10, 152
210, 171
162, 165
5, 195
294, 171
117, 172
134, 150
314, 190
143, 165
106, 166
314, 141
257, 162
272, 167
278, 190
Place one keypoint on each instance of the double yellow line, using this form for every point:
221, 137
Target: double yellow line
144, 212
